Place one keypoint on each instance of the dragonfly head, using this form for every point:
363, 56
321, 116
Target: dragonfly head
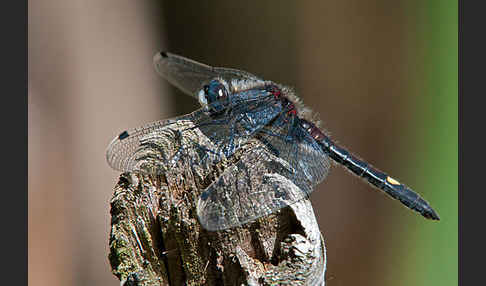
214, 95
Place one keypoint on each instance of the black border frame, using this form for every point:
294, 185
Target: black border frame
14, 24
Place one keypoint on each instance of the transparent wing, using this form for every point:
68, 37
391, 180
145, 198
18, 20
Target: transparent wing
293, 144
259, 184
255, 186
128, 150
147, 148
189, 75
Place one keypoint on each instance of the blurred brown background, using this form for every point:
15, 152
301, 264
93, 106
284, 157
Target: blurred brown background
357, 63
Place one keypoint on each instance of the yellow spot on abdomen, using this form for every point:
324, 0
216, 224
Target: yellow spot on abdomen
392, 181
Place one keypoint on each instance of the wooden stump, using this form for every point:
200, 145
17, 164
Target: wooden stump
156, 238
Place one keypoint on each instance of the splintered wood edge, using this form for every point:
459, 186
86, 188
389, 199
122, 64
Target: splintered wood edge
156, 240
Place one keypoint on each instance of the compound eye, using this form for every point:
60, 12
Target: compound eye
215, 91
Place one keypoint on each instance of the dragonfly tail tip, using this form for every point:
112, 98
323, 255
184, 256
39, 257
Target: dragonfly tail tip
431, 214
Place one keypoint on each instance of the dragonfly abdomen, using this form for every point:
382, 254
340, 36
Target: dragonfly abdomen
373, 176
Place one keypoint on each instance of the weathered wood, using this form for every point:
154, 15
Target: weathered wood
156, 238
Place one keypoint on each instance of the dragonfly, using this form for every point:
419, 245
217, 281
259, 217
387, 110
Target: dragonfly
236, 108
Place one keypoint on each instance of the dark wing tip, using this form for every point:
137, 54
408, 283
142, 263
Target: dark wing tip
123, 135
158, 57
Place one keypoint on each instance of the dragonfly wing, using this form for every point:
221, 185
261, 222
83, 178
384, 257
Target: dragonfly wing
146, 148
189, 75
255, 186
293, 144
145, 145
